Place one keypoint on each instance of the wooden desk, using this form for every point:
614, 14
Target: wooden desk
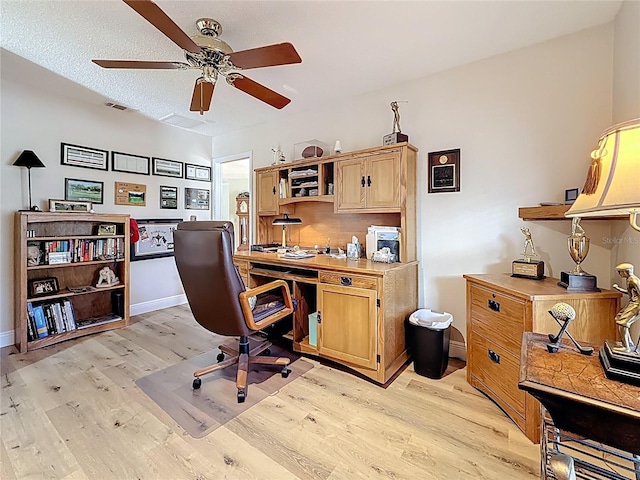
579, 397
361, 306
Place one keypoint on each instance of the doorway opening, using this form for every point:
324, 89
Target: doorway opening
232, 178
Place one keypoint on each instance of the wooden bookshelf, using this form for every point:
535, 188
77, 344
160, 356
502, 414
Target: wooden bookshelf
76, 233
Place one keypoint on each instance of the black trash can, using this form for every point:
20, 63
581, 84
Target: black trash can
427, 335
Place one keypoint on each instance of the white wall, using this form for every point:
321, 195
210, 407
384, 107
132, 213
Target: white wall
525, 122
39, 121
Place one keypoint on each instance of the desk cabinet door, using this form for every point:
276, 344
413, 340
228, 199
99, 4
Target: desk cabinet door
267, 183
347, 329
350, 185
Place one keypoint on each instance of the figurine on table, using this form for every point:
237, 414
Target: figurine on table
629, 314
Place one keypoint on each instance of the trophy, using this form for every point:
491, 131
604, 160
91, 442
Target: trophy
578, 280
396, 136
527, 267
621, 360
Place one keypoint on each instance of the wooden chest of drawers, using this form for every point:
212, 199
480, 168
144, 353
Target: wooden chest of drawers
500, 308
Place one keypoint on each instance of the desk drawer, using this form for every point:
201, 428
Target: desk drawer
347, 280
498, 369
498, 317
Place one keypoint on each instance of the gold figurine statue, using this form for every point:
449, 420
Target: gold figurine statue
528, 244
578, 245
396, 117
629, 314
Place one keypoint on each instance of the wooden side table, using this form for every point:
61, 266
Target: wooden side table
597, 412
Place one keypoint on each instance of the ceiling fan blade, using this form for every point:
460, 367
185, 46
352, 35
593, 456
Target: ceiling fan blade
202, 94
141, 64
269, 56
258, 91
156, 17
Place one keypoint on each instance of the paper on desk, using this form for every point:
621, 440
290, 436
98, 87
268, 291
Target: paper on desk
298, 254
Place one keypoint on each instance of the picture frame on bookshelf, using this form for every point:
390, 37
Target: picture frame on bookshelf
107, 229
197, 172
167, 168
85, 157
84, 190
43, 286
156, 238
70, 206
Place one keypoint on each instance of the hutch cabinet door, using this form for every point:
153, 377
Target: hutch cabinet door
383, 181
347, 328
350, 188
267, 183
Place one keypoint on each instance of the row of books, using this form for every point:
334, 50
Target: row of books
50, 318
79, 250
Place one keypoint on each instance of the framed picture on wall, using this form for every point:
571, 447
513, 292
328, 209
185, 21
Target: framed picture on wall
198, 172
156, 238
168, 197
167, 168
196, 199
83, 190
444, 171
128, 163
86, 157
130, 194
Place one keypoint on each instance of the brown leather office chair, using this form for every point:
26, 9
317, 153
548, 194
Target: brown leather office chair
219, 301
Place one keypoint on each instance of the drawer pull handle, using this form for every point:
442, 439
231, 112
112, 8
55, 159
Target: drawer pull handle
493, 305
346, 281
493, 356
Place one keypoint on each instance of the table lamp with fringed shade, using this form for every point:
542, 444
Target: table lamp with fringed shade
29, 160
613, 188
613, 181
284, 221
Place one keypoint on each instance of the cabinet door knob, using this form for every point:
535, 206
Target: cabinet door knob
493, 356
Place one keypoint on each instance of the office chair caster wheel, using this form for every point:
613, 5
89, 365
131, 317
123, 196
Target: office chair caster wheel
285, 372
266, 352
242, 395
220, 357
197, 383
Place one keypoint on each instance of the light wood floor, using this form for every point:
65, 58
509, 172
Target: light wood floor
73, 411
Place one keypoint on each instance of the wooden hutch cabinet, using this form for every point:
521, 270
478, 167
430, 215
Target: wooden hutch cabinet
357, 308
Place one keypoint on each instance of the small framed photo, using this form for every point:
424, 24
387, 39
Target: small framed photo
107, 229
83, 190
196, 199
43, 286
168, 197
197, 172
444, 171
69, 206
77, 156
167, 168
128, 163
570, 196
133, 194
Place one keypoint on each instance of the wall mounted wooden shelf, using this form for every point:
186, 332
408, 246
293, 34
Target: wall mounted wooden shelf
555, 212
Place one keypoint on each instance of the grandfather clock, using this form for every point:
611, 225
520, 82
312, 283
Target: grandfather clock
242, 211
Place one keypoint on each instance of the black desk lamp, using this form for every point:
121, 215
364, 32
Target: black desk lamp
30, 160
284, 221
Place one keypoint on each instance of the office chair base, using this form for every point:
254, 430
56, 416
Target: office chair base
258, 354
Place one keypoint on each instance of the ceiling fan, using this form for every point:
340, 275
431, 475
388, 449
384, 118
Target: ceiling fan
212, 56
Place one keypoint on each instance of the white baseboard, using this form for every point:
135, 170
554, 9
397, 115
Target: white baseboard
457, 350
159, 304
8, 338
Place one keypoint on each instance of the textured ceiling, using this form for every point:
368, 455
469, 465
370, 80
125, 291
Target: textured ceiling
348, 48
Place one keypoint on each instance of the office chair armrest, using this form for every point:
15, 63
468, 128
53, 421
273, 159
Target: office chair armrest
265, 322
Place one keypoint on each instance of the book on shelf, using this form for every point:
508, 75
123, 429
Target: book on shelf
32, 331
41, 322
